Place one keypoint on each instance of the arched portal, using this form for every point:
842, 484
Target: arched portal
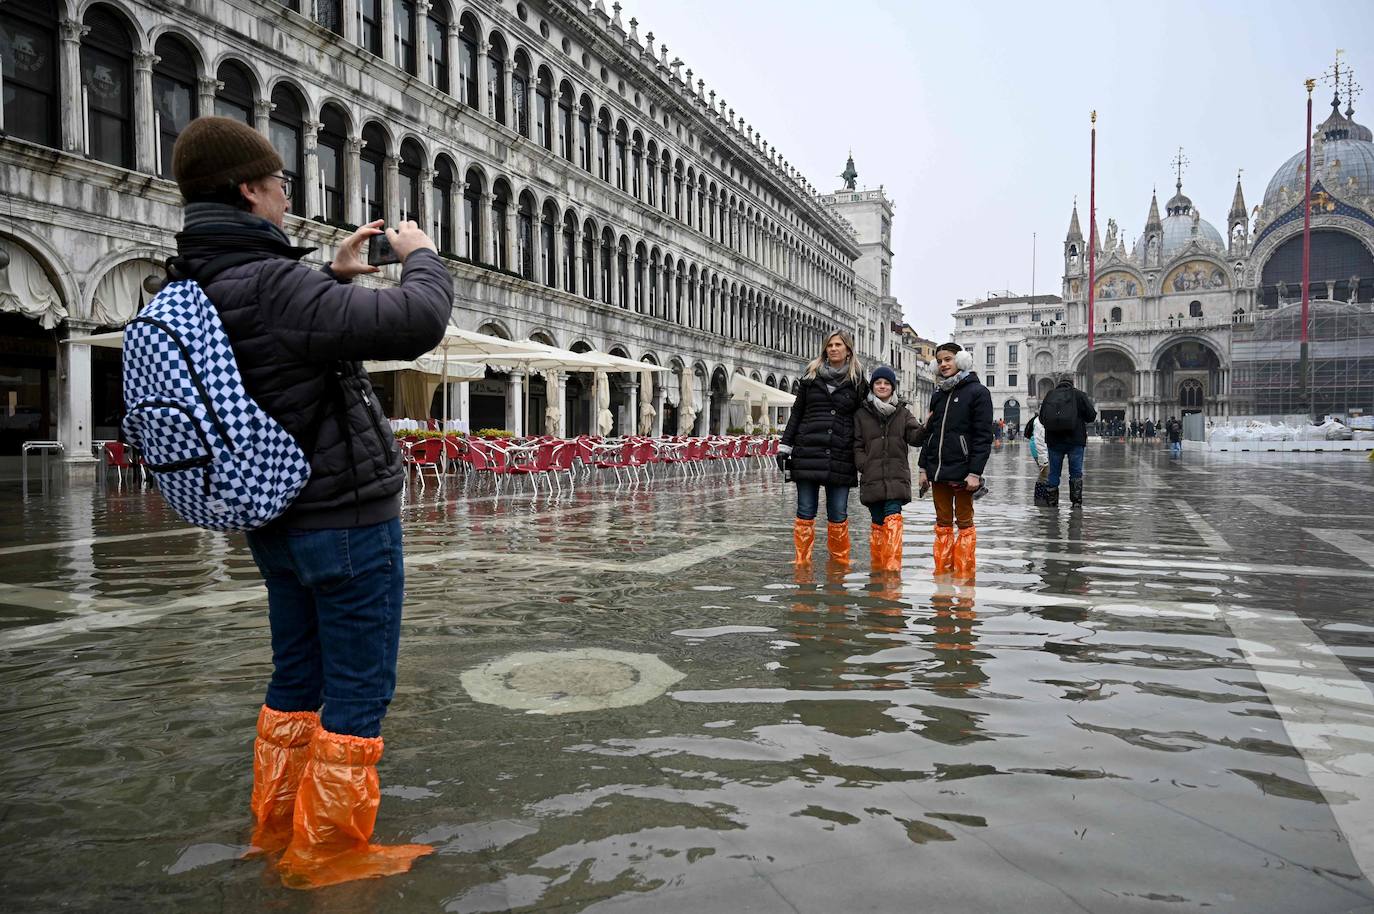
1189, 371
1113, 383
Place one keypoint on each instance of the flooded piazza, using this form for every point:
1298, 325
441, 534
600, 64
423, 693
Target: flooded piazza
628, 701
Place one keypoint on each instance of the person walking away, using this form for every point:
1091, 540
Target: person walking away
955, 454
884, 430
1039, 454
1065, 414
817, 447
1173, 429
332, 562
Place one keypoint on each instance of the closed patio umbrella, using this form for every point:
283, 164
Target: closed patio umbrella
646, 404
604, 420
687, 413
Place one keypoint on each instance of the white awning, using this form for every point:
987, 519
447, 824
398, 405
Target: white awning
744, 389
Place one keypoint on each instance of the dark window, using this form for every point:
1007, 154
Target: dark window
472, 225
607, 256
403, 40
332, 141
175, 97
436, 67
285, 128
496, 83
565, 120
235, 98
520, 87
1011, 380
408, 180
992, 380
329, 15
584, 125
441, 207
620, 145
1116, 315
569, 251
370, 25
107, 83
603, 146
524, 237
543, 111
467, 63
588, 258
28, 61
370, 171
500, 205
548, 245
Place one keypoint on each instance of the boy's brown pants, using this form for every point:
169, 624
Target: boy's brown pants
952, 504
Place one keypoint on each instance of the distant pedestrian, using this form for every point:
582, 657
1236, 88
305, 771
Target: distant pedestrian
1149, 429
1066, 412
884, 430
1040, 455
1173, 429
955, 454
998, 431
817, 447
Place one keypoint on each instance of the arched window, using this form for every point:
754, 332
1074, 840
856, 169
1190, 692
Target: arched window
701, 203
329, 149
621, 141
28, 61
607, 258
543, 108
436, 64
638, 284
441, 207
107, 87
569, 252
584, 134
500, 208
236, 94
653, 303
524, 236
496, 78
666, 171
520, 88
472, 216
176, 100
565, 120
1190, 395
370, 26
1116, 315
637, 165
467, 62
589, 237
285, 132
691, 188
677, 190
403, 35
408, 179
650, 179
603, 145
548, 244
1195, 309
370, 173
622, 272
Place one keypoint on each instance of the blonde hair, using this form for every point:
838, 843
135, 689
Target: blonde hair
855, 370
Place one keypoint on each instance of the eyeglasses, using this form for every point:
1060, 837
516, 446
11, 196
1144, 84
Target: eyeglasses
285, 184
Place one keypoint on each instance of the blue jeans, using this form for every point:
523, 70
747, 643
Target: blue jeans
809, 501
334, 603
884, 510
1075, 454
1176, 448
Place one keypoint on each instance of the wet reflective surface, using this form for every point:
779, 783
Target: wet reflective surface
1158, 702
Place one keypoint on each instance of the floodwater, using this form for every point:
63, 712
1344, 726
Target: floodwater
1159, 702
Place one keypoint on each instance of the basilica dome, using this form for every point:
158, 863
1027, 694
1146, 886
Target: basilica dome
1342, 160
1178, 228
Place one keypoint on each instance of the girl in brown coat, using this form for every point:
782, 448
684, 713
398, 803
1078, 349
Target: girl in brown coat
884, 430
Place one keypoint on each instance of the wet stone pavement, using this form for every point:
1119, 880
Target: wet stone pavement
627, 702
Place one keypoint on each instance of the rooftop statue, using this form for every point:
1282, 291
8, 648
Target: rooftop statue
849, 175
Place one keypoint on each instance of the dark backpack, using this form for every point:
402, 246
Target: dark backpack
1059, 412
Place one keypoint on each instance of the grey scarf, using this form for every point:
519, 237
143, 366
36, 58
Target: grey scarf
833, 375
884, 409
951, 382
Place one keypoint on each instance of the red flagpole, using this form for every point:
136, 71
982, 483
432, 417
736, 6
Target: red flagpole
1092, 256
1306, 246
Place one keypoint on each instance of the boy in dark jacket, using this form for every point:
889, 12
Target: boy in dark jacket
884, 429
332, 562
957, 449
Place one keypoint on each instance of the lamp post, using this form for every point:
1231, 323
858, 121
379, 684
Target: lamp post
1303, 366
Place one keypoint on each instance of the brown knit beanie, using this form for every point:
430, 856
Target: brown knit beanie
213, 152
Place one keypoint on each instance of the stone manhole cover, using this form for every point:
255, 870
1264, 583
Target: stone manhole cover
562, 682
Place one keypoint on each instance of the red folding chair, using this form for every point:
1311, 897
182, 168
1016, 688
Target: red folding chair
117, 456
426, 455
540, 465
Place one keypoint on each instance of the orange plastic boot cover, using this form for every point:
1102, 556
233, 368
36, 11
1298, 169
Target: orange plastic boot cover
965, 555
279, 755
892, 542
837, 541
877, 547
803, 538
335, 812
944, 549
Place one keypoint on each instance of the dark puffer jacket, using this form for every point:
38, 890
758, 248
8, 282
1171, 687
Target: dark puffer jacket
1084, 412
299, 336
881, 452
820, 432
960, 439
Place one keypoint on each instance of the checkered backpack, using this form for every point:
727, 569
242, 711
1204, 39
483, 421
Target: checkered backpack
219, 459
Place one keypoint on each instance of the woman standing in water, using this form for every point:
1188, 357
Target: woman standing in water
818, 446
956, 451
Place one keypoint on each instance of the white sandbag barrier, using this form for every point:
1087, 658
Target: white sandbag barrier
1262, 436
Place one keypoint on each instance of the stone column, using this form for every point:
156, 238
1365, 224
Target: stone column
145, 136
463, 407
515, 403
73, 112
575, 265
353, 194
74, 392
561, 393
348, 15
425, 214
510, 237
659, 393
262, 116
389, 33
459, 218
205, 101
633, 408
453, 56
308, 198
422, 42
488, 236
391, 190
483, 77
615, 275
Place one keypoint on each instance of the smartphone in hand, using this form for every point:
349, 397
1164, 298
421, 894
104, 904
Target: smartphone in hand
379, 252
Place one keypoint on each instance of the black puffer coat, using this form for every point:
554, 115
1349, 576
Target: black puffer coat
960, 440
299, 336
882, 453
820, 432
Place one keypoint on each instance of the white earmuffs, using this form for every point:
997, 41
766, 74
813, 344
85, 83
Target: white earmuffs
963, 360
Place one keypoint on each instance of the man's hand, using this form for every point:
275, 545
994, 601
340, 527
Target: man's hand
407, 238
924, 480
348, 259
782, 462
972, 482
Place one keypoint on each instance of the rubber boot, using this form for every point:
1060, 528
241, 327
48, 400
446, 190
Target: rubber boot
803, 538
336, 810
1052, 496
280, 752
877, 547
965, 555
944, 549
892, 543
837, 542
1076, 491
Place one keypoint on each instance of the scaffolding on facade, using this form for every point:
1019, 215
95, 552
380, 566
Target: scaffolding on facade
1267, 369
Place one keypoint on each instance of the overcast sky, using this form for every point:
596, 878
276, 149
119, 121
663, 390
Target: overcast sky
974, 115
